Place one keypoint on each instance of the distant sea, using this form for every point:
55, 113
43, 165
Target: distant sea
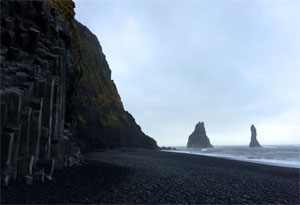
279, 155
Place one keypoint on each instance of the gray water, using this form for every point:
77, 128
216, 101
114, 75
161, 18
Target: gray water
280, 155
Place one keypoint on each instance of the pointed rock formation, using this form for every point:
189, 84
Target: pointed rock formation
254, 142
199, 139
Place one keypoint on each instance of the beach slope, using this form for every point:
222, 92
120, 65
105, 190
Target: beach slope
144, 176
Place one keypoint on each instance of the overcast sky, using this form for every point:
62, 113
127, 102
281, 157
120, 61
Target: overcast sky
229, 63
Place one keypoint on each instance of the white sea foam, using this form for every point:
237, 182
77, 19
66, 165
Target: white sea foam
279, 155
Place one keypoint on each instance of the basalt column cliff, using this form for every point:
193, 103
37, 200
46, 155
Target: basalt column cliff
40, 68
45, 108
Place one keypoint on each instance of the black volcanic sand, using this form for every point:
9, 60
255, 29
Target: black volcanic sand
141, 176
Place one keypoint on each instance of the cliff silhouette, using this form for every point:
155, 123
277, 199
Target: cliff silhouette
57, 95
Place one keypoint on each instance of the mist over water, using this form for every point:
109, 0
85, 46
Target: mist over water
280, 155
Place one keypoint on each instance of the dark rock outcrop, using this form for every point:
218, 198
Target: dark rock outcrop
253, 142
40, 70
103, 121
199, 139
45, 109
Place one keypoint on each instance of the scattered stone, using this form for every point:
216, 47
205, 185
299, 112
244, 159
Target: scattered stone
168, 148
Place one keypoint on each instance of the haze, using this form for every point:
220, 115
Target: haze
228, 63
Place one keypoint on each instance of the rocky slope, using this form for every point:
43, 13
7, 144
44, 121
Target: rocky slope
199, 139
103, 121
253, 142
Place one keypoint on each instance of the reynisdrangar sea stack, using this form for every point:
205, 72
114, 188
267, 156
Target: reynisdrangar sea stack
199, 139
66, 136
253, 142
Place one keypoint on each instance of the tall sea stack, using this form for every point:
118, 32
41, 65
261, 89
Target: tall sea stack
254, 142
199, 139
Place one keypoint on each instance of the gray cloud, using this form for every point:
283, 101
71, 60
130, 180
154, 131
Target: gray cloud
227, 63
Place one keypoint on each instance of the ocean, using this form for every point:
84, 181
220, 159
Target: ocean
279, 155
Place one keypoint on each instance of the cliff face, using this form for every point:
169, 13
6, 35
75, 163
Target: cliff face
253, 142
40, 68
199, 139
103, 122
45, 109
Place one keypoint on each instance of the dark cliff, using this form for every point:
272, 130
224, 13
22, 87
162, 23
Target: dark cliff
199, 139
40, 69
103, 121
253, 142
46, 110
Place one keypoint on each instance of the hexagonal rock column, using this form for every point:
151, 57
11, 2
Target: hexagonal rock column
58, 149
35, 128
56, 117
7, 144
14, 105
44, 144
25, 132
47, 116
16, 131
25, 166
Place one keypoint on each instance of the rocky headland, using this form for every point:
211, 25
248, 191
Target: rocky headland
57, 96
199, 139
103, 121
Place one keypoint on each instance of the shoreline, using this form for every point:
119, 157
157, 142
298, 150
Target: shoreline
232, 158
138, 176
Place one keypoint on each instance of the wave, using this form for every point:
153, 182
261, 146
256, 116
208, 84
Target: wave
286, 156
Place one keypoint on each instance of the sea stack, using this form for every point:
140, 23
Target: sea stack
199, 139
254, 142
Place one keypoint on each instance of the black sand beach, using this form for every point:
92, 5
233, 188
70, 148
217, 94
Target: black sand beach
141, 176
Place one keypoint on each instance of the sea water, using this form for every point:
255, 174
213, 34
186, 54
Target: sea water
279, 155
